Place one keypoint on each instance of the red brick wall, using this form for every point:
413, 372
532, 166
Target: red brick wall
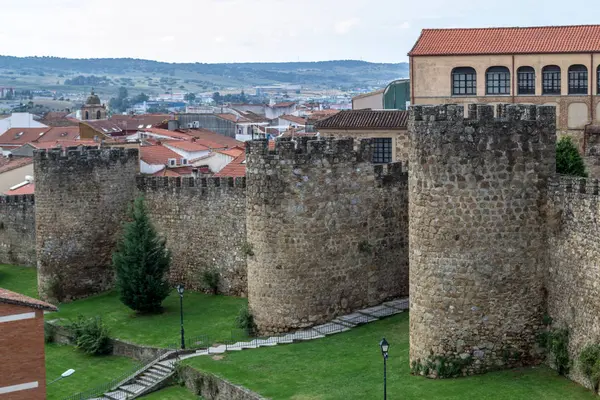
22, 353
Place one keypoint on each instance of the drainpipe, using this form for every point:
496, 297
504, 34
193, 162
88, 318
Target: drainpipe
591, 80
512, 76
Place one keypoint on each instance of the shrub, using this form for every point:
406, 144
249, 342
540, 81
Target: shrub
245, 321
141, 262
568, 159
444, 367
210, 280
556, 341
589, 363
91, 335
49, 331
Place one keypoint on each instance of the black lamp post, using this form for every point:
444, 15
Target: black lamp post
180, 291
384, 352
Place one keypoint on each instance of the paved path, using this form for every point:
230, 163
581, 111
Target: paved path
338, 325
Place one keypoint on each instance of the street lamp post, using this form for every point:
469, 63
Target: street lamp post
65, 374
180, 291
384, 352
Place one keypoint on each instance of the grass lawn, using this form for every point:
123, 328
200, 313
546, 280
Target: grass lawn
203, 315
172, 393
349, 366
19, 279
90, 371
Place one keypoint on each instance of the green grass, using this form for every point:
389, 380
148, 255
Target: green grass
204, 314
90, 371
19, 279
349, 366
172, 393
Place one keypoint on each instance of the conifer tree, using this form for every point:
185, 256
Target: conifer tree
568, 159
141, 263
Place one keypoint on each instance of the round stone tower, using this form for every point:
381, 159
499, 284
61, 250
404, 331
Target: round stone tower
477, 186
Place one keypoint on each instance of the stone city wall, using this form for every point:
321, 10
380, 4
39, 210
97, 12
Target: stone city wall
574, 272
17, 230
477, 187
82, 197
328, 229
204, 223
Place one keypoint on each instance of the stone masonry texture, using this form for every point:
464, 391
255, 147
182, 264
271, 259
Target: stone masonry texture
327, 228
82, 198
204, 223
477, 189
17, 230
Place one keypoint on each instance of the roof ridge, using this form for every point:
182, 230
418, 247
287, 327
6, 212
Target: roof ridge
508, 27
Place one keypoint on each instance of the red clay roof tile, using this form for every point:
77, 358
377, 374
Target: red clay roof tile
528, 40
236, 168
8, 297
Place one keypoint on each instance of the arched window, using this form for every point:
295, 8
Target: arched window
497, 80
464, 81
598, 79
525, 80
87, 115
551, 79
98, 115
578, 79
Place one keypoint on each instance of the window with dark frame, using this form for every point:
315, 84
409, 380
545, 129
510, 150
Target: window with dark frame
383, 151
526, 80
578, 79
464, 81
598, 80
551, 80
497, 81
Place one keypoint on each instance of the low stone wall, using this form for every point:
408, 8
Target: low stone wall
212, 387
63, 335
17, 230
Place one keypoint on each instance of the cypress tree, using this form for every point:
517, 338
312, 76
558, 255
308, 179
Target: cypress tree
568, 159
141, 263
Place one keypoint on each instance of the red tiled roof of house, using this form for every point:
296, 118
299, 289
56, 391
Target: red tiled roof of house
64, 143
8, 297
214, 140
234, 118
167, 133
528, 40
236, 168
233, 152
10, 163
177, 171
254, 117
58, 118
294, 119
25, 189
16, 137
59, 133
283, 104
105, 127
135, 122
157, 155
365, 119
186, 146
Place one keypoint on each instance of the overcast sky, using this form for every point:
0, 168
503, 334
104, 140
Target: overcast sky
258, 30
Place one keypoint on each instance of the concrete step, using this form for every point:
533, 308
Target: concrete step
132, 388
117, 395
154, 375
145, 380
162, 368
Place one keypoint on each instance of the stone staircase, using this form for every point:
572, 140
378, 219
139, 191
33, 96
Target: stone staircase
144, 381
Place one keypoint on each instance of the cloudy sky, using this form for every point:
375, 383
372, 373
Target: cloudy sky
258, 30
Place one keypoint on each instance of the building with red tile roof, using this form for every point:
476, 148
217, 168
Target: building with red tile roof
16, 137
22, 369
13, 171
25, 188
545, 65
292, 120
59, 133
236, 168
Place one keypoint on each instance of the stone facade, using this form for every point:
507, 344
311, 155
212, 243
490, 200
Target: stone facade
17, 230
82, 197
573, 274
204, 222
477, 192
328, 229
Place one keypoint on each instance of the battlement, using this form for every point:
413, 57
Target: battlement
18, 199
87, 154
390, 173
571, 184
483, 113
157, 183
309, 148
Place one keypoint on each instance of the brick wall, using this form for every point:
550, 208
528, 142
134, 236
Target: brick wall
204, 223
17, 230
82, 199
477, 245
22, 353
329, 231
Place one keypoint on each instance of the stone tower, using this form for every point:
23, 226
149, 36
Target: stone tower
328, 231
477, 186
93, 108
81, 201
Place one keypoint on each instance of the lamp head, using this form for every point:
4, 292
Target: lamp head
68, 372
180, 289
385, 346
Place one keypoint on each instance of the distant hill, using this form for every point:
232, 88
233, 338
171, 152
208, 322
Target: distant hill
144, 75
